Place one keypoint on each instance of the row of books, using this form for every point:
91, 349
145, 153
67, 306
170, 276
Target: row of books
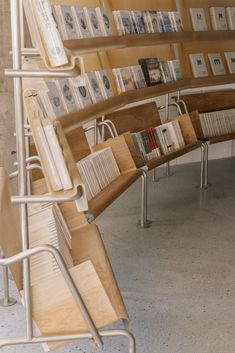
47, 226
218, 123
149, 72
81, 22
154, 142
70, 94
222, 19
97, 171
130, 22
199, 67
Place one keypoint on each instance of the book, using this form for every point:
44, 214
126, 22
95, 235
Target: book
68, 22
165, 22
175, 69
198, 19
55, 99
93, 86
93, 22
125, 21
165, 72
138, 76
104, 82
154, 22
105, 25
230, 12
82, 94
49, 33
67, 94
218, 18
230, 59
126, 77
151, 70
198, 65
81, 22
139, 22
176, 21
216, 63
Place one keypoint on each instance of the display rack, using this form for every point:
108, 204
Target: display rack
23, 199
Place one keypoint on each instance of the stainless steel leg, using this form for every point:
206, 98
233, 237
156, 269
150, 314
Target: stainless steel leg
144, 223
155, 180
6, 300
206, 166
202, 165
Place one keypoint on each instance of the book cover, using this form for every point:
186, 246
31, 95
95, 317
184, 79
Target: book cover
216, 63
176, 21
139, 22
230, 12
59, 21
126, 21
198, 65
198, 19
175, 69
82, 23
118, 22
127, 78
93, 86
165, 21
105, 84
67, 94
55, 99
165, 72
81, 92
147, 22
230, 59
218, 18
154, 21
153, 70
69, 22
102, 15
93, 22
138, 76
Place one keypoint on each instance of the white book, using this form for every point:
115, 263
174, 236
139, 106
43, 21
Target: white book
138, 76
50, 35
105, 25
230, 59
174, 135
198, 65
118, 79
93, 86
198, 19
57, 156
165, 22
117, 20
154, 21
126, 21
55, 99
175, 69
69, 22
218, 18
81, 92
139, 22
165, 71
105, 84
176, 21
216, 63
230, 12
147, 22
93, 22
81, 22
67, 94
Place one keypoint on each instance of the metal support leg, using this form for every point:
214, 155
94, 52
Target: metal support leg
144, 222
204, 166
155, 180
6, 300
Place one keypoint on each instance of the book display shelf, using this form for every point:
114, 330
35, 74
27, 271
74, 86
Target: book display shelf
49, 179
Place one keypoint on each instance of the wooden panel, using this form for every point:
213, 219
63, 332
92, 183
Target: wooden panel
222, 138
87, 244
210, 101
58, 314
160, 5
120, 151
135, 119
107, 196
78, 143
9, 224
197, 125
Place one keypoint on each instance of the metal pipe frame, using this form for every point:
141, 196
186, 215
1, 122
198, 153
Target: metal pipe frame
204, 165
144, 222
20, 73
6, 300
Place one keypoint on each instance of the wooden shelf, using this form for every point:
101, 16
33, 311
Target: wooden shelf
92, 45
222, 138
212, 81
78, 118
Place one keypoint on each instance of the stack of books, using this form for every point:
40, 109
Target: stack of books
218, 123
97, 171
154, 142
75, 22
47, 226
130, 22
70, 94
222, 18
149, 72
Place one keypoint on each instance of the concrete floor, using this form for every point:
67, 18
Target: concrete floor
177, 277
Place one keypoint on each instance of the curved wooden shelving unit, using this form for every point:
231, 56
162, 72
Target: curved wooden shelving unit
92, 45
